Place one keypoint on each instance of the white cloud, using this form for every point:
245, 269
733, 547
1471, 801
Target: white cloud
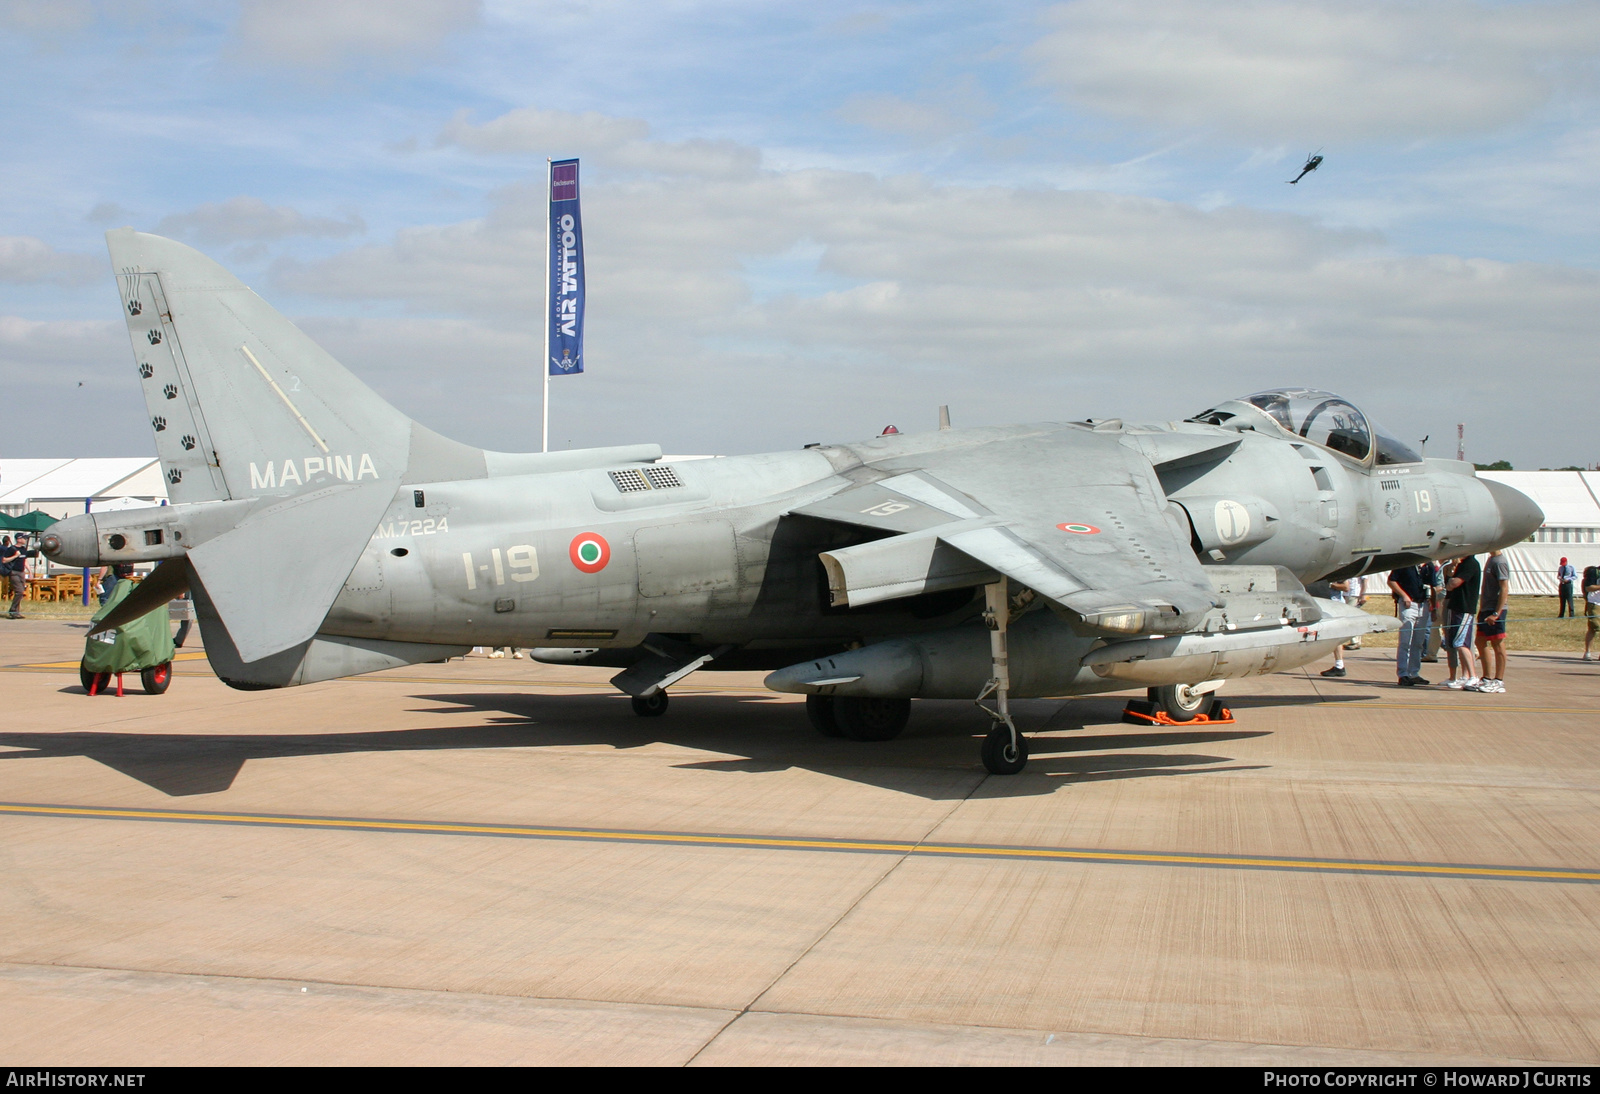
79, 378
1008, 304
248, 218
892, 114
47, 17
937, 113
615, 142
529, 130
25, 260
321, 34
1305, 71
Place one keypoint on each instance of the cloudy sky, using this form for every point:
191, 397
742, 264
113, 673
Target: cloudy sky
807, 221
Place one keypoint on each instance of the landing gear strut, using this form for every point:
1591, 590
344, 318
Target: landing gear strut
1004, 751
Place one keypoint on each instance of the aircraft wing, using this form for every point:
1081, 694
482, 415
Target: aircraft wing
1076, 516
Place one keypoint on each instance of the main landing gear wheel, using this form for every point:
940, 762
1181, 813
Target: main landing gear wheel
1000, 756
1180, 702
819, 709
871, 719
156, 678
650, 706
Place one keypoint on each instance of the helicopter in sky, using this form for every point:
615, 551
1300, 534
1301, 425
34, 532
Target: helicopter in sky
1313, 161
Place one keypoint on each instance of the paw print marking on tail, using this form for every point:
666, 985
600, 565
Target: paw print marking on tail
187, 442
174, 476
170, 391
158, 424
134, 307
154, 336
145, 370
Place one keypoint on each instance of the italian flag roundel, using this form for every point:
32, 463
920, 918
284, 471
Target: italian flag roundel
590, 552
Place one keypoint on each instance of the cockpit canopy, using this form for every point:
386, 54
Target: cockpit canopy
1320, 417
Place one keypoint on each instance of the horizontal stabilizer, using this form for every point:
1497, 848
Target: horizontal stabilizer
274, 577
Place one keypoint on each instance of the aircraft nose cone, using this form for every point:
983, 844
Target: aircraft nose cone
1519, 516
72, 542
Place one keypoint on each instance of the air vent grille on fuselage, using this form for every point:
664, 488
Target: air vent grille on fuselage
634, 480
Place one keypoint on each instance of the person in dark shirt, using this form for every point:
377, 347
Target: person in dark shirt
14, 568
1411, 594
1566, 574
1461, 606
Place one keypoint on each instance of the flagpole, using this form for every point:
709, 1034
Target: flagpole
544, 363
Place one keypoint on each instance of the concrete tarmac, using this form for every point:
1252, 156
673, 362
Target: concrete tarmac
493, 861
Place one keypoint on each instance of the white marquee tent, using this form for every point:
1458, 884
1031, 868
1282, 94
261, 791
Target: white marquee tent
61, 487
1571, 504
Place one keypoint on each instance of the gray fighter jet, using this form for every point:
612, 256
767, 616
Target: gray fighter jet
324, 534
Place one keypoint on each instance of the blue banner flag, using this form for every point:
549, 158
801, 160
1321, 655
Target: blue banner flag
565, 319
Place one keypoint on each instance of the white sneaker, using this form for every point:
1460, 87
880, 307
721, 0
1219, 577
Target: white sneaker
518, 655
1494, 687
497, 653
1455, 685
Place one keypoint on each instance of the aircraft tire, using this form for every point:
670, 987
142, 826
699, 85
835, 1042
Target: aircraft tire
157, 678
650, 706
819, 709
1181, 704
998, 755
871, 719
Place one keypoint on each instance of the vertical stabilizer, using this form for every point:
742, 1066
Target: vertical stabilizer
242, 402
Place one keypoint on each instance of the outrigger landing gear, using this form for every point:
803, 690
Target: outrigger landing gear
1005, 751
653, 705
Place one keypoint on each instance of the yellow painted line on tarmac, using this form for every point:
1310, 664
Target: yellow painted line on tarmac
192, 656
795, 843
1484, 709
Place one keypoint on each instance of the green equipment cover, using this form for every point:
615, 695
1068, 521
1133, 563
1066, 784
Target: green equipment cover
141, 643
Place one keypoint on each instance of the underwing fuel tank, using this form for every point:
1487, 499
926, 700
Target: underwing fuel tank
1049, 658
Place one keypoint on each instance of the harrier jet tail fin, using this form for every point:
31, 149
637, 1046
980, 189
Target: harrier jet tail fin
242, 402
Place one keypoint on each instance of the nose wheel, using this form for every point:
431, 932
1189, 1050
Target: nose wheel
1180, 702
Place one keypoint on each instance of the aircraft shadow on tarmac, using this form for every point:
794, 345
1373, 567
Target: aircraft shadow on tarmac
935, 758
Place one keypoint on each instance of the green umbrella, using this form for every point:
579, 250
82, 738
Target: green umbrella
35, 521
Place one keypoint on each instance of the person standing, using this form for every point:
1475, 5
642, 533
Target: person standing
1461, 604
14, 567
1411, 593
106, 582
1566, 574
1433, 577
1591, 608
1338, 592
1492, 611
